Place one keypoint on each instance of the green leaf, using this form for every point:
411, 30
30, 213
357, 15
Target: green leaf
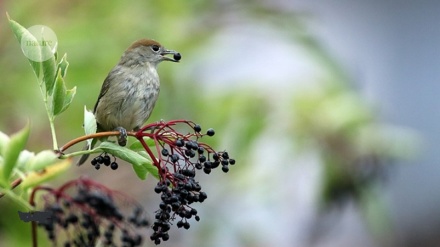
61, 98
150, 167
140, 163
12, 150
58, 96
4, 140
49, 72
48, 66
21, 32
63, 65
68, 98
89, 124
137, 145
42, 160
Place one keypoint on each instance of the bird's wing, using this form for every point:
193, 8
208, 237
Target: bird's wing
104, 89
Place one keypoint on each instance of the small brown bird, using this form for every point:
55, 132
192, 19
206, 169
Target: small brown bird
131, 89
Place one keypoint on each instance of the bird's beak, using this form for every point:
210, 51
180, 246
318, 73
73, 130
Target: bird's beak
176, 55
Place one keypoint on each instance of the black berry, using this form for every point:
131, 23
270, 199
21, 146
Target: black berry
106, 160
114, 165
197, 128
210, 132
177, 56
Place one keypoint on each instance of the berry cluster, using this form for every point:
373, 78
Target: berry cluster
89, 213
175, 202
179, 157
104, 159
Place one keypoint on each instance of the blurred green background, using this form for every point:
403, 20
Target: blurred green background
311, 153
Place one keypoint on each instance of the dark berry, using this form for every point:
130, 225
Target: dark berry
200, 150
197, 128
190, 153
225, 169
215, 164
174, 158
94, 161
165, 227
202, 158
203, 195
196, 186
207, 170
193, 211
99, 159
158, 189
210, 132
194, 145
232, 161
106, 160
216, 156
225, 155
177, 56
114, 165
179, 143
197, 218
164, 152
179, 224
189, 173
162, 205
186, 225
97, 166
198, 166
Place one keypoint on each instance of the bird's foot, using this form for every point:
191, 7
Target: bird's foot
122, 138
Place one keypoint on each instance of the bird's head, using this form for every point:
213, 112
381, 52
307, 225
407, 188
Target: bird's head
147, 50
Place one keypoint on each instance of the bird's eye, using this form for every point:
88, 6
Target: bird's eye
155, 47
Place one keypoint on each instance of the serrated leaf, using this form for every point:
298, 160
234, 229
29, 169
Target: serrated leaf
35, 178
12, 150
89, 124
70, 94
42, 160
139, 162
21, 32
58, 96
4, 140
63, 65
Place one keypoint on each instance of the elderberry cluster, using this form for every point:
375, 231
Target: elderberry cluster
92, 215
180, 157
175, 203
104, 159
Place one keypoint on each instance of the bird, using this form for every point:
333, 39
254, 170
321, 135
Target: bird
130, 90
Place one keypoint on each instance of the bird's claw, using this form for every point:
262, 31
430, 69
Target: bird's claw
122, 138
